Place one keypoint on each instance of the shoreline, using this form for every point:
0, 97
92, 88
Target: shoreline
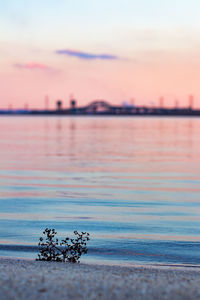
112, 263
30, 279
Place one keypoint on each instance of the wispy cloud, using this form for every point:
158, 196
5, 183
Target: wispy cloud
86, 55
32, 66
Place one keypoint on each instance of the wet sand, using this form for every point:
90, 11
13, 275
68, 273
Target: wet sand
23, 279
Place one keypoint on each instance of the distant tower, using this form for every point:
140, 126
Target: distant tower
176, 103
132, 101
26, 106
72, 103
59, 105
191, 101
46, 102
161, 102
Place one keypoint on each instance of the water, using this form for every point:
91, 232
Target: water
132, 183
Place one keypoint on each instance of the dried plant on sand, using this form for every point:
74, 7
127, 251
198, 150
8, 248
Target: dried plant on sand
69, 249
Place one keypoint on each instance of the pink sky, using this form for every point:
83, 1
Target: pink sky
98, 56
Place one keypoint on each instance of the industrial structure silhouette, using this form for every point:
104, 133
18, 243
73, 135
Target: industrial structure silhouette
102, 107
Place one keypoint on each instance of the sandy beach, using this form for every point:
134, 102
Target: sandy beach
21, 279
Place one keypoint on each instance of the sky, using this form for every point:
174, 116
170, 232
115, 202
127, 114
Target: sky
132, 51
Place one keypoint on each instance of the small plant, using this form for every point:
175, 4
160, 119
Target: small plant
69, 249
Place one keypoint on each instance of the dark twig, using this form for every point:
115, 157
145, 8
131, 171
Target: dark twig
67, 250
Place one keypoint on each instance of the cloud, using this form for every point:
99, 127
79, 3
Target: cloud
32, 66
86, 55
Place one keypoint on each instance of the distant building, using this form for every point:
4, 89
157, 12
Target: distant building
59, 105
73, 104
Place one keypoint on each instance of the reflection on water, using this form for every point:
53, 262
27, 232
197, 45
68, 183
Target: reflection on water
133, 183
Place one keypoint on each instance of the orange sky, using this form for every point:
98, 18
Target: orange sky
133, 53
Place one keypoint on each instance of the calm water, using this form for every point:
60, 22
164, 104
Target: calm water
132, 183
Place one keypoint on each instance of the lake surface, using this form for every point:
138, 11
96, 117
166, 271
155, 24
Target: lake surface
133, 183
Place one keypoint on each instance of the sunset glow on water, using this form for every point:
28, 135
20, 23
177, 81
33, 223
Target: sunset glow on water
132, 183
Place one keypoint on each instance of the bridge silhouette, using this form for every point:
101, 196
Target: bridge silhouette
98, 106
102, 107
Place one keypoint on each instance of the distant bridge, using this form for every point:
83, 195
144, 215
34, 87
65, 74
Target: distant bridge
98, 106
